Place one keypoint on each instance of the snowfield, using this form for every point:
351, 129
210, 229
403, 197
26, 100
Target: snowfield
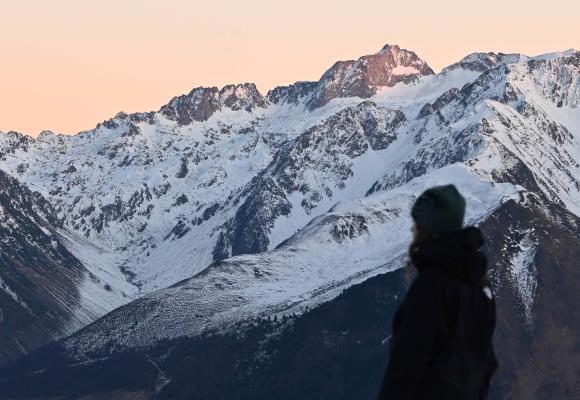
354, 241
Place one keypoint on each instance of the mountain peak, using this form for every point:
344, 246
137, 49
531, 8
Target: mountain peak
243, 96
481, 62
557, 54
365, 76
46, 135
390, 47
202, 102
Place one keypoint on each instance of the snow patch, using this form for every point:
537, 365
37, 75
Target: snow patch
523, 274
4, 286
403, 70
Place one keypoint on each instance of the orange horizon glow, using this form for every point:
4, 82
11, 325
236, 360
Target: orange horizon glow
67, 65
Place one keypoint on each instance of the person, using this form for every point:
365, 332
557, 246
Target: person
441, 345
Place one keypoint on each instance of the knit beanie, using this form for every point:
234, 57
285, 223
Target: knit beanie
439, 209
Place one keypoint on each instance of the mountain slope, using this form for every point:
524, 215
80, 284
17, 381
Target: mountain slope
501, 119
39, 278
338, 350
349, 244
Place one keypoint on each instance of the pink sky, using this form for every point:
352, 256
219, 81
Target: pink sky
66, 65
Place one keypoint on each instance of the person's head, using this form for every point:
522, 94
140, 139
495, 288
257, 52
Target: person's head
437, 211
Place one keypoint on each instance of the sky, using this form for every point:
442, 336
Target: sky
66, 65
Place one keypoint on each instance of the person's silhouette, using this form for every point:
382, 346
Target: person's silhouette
441, 346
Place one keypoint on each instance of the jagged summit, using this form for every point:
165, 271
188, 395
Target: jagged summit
362, 77
197, 105
202, 102
558, 54
46, 132
402, 56
365, 76
389, 47
481, 62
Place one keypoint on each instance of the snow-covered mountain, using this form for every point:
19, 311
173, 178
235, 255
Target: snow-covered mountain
209, 166
139, 186
352, 242
263, 206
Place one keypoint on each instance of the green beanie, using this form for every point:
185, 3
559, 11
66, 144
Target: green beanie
439, 209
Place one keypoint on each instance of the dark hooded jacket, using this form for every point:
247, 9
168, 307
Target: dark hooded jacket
441, 346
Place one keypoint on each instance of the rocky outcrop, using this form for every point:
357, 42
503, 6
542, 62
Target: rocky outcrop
355, 78
441, 101
481, 62
559, 77
365, 76
202, 102
292, 94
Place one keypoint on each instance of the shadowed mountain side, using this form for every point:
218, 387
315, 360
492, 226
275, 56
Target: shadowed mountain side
39, 278
535, 252
338, 350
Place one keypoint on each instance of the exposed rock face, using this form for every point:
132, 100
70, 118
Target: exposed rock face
441, 101
292, 94
481, 62
201, 103
241, 97
560, 80
365, 76
14, 141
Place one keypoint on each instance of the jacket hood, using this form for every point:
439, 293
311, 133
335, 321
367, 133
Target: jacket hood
457, 253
